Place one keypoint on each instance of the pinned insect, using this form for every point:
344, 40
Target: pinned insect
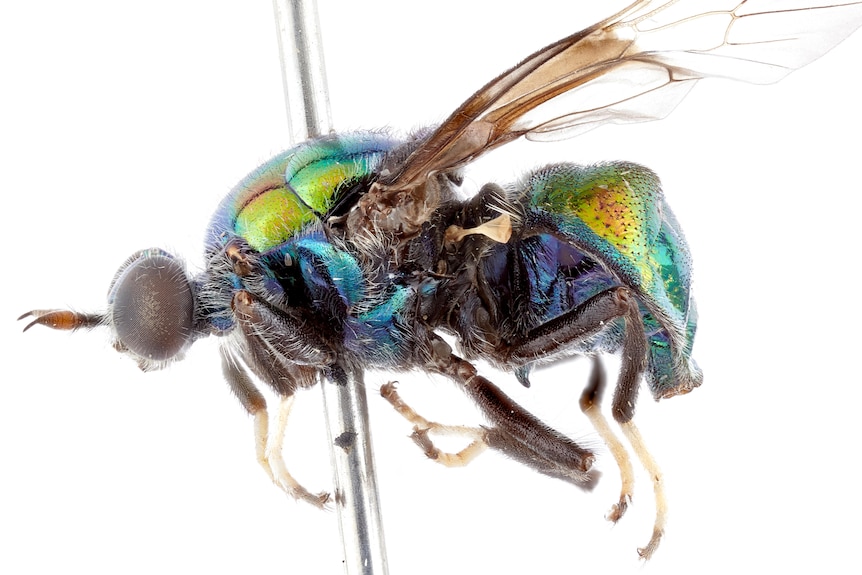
355, 250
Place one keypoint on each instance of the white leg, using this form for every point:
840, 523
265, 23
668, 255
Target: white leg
269, 455
422, 428
631, 432
627, 477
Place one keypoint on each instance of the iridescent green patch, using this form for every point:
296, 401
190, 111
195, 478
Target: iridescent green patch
272, 218
615, 212
299, 186
612, 206
318, 183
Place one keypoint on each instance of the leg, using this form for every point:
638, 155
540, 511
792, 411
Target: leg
591, 400
481, 439
514, 430
583, 321
274, 456
631, 432
634, 362
253, 402
268, 450
422, 428
278, 342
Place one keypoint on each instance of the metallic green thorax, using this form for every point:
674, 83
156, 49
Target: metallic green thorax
297, 187
278, 210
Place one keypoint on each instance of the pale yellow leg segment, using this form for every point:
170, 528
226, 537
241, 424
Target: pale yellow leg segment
460, 459
273, 461
422, 428
633, 435
627, 476
261, 436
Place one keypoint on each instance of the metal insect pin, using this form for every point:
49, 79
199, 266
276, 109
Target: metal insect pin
355, 250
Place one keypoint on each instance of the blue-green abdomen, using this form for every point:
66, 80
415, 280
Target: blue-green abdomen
615, 214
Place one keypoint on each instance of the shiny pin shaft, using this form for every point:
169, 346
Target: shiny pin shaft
303, 73
356, 496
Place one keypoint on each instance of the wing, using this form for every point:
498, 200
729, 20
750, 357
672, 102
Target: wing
635, 66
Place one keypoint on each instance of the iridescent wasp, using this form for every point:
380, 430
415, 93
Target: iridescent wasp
362, 252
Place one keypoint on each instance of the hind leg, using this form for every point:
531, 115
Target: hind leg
587, 319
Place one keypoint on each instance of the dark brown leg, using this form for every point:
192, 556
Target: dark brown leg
515, 430
481, 438
584, 321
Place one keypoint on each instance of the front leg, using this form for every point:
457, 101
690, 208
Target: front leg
274, 456
287, 354
268, 449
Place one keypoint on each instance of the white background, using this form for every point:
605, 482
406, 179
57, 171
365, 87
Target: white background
123, 124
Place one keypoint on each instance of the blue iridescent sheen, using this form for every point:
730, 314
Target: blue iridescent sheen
299, 263
584, 230
615, 213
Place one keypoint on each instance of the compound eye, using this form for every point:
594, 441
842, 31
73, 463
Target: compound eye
153, 306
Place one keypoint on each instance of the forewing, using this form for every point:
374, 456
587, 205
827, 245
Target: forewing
632, 67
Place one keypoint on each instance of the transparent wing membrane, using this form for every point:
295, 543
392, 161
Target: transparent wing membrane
635, 66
